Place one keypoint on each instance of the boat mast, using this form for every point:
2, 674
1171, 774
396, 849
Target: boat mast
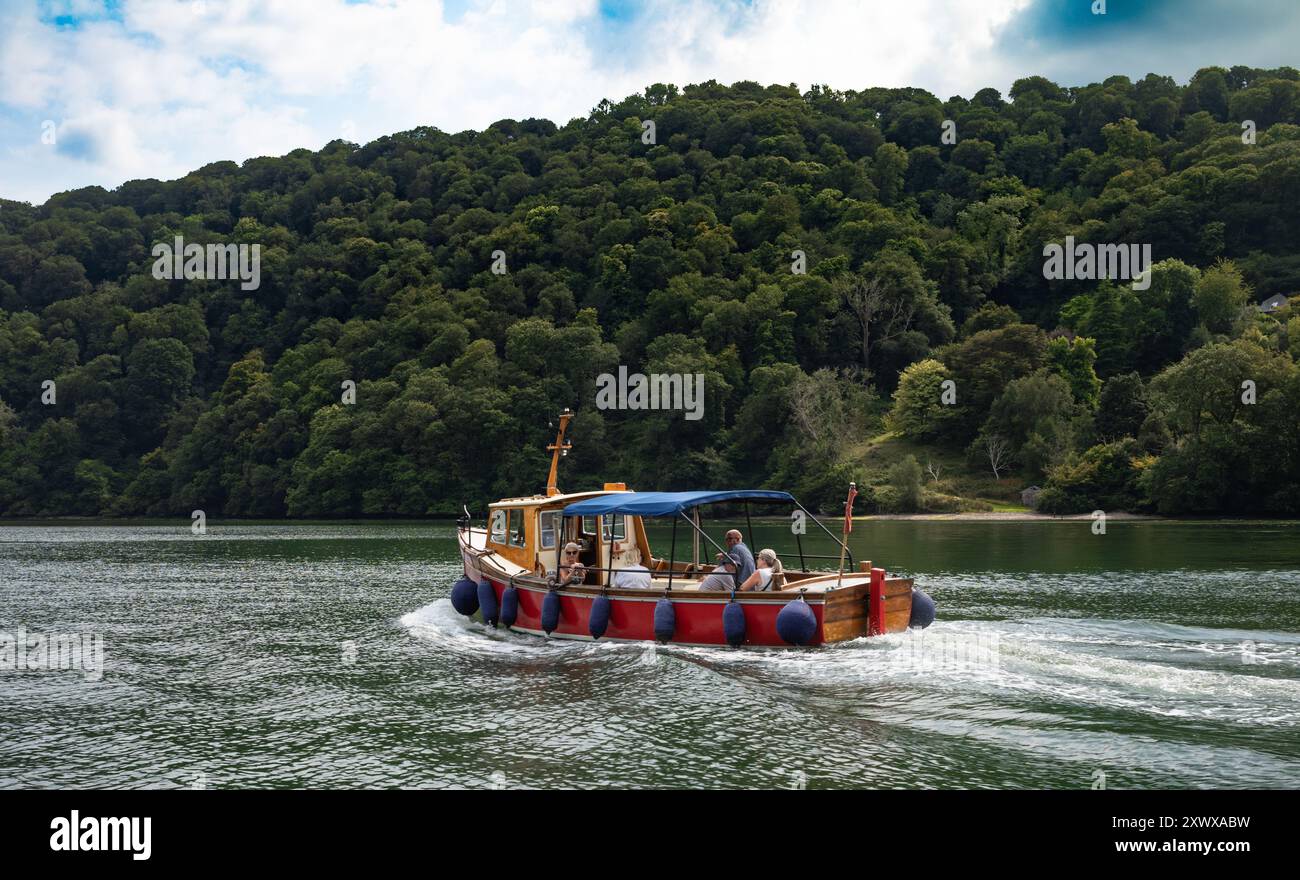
557, 449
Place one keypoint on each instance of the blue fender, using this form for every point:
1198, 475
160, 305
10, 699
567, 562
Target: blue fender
509, 606
598, 619
665, 620
464, 596
922, 610
733, 623
797, 623
487, 603
550, 612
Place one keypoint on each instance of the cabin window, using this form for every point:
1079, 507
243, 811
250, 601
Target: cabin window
550, 523
615, 527
498, 527
589, 526
517, 527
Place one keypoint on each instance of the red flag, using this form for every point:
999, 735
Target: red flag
848, 508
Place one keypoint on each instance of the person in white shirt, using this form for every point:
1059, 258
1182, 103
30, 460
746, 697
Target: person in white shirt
768, 574
631, 573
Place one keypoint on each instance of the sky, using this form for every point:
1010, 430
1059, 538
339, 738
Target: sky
98, 92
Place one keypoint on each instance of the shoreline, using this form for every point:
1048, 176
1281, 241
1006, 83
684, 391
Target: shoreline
1017, 516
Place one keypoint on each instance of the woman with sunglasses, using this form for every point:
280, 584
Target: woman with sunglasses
769, 575
571, 571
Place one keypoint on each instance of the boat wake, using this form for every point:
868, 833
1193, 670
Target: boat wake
441, 627
1077, 665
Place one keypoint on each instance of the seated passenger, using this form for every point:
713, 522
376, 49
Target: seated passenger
571, 571
769, 575
631, 573
738, 556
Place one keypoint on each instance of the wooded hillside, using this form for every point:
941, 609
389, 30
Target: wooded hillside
924, 262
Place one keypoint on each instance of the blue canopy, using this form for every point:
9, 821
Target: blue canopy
667, 503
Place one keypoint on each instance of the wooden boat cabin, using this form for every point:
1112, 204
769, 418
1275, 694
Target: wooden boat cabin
529, 533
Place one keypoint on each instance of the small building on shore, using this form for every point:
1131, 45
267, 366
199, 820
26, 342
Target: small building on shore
1273, 303
1029, 497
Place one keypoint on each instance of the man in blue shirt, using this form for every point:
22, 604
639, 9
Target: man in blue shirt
738, 558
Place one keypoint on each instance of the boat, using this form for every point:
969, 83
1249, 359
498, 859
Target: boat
512, 573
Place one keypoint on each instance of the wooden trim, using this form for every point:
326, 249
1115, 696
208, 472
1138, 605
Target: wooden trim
898, 604
845, 615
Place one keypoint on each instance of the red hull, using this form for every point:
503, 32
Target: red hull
699, 620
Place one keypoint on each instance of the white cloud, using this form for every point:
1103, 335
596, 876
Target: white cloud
175, 85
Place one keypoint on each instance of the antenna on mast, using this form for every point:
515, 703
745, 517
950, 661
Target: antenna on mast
557, 449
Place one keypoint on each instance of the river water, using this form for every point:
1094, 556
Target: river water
1156, 655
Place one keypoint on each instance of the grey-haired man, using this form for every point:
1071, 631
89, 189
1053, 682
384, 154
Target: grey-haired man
737, 558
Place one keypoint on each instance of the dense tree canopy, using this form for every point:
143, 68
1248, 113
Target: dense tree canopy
809, 254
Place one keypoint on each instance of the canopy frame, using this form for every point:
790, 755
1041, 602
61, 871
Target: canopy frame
676, 507
665, 504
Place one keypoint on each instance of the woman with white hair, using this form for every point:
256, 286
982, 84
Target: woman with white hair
570, 570
768, 574
631, 573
